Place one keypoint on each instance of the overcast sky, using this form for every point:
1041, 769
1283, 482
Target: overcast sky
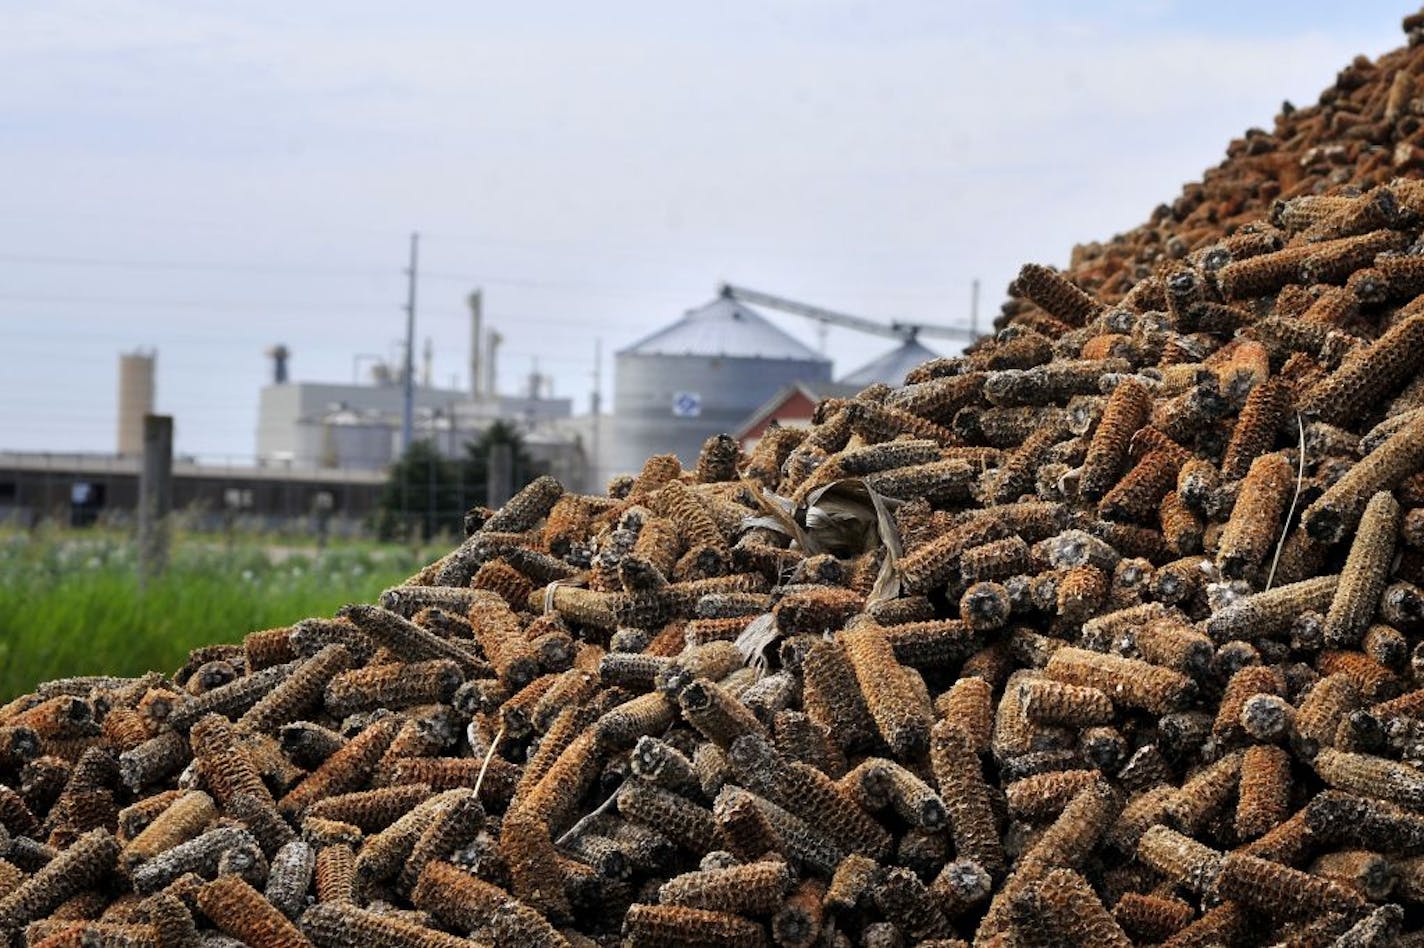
209, 179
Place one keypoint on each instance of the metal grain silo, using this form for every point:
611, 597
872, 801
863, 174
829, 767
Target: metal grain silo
700, 376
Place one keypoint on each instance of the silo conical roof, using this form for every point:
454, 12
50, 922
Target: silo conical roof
724, 327
892, 366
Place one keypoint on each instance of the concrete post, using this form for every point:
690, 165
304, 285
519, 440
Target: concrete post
155, 495
500, 478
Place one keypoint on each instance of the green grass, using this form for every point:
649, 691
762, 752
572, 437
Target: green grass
70, 601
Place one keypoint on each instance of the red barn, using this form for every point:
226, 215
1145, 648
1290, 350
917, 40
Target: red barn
791, 407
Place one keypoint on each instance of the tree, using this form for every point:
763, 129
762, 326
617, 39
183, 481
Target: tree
429, 492
476, 461
422, 492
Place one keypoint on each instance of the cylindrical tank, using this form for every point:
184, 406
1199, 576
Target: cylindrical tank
136, 388
343, 439
703, 375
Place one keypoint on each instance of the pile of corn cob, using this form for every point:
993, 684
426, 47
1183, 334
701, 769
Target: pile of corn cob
1108, 632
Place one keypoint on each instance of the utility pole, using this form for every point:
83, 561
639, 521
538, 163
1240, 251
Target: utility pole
408, 409
974, 308
595, 408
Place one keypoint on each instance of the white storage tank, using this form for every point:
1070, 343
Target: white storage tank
700, 376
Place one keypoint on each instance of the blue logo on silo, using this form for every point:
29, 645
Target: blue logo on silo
686, 405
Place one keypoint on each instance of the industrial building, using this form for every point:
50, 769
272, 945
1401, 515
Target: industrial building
358, 425
324, 445
323, 448
81, 488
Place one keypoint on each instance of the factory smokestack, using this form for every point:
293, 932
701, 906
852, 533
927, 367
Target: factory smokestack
279, 355
492, 363
476, 337
136, 388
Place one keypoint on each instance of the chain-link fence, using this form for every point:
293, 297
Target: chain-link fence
422, 495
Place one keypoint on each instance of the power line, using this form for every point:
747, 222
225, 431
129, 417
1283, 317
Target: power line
183, 336
653, 249
468, 279
245, 306
49, 260
329, 272
534, 283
